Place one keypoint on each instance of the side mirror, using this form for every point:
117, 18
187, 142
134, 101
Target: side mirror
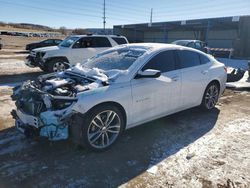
148, 73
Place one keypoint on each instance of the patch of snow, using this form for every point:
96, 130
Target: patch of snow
9, 85
206, 158
15, 55
242, 83
94, 73
152, 169
11, 63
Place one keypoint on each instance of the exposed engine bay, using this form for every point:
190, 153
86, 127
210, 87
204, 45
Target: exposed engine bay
44, 106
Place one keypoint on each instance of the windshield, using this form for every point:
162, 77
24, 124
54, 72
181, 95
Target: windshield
119, 59
181, 42
68, 41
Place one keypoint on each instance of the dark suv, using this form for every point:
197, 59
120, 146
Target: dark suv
197, 44
43, 43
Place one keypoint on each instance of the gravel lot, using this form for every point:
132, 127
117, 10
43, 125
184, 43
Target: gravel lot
192, 148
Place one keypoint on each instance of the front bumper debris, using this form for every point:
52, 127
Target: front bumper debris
49, 124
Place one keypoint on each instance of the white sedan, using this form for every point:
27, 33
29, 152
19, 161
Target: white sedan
125, 86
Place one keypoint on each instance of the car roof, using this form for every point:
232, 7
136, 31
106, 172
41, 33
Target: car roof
90, 35
157, 47
188, 41
154, 46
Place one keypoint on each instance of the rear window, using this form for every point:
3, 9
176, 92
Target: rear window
119, 40
204, 59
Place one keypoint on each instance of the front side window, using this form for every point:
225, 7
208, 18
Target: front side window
119, 59
198, 45
191, 45
85, 42
188, 58
48, 42
68, 41
164, 62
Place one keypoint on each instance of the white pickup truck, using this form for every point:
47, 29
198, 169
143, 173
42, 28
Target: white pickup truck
74, 49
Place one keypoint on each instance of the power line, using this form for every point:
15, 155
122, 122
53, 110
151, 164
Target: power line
49, 9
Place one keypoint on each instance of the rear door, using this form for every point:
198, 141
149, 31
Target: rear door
100, 44
195, 77
153, 97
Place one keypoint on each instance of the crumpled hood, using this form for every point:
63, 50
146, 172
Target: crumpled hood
46, 49
94, 73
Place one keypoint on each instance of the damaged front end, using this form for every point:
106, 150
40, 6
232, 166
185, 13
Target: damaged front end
44, 106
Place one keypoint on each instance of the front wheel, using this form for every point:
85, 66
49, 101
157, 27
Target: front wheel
101, 127
57, 65
211, 96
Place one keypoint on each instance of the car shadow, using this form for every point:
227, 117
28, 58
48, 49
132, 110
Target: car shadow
22, 52
19, 77
59, 164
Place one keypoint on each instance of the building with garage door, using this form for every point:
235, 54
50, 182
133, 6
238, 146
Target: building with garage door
225, 32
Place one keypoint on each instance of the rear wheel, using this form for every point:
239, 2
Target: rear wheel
100, 128
211, 96
57, 65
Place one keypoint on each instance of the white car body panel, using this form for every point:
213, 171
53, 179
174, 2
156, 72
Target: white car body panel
75, 55
147, 99
136, 78
78, 55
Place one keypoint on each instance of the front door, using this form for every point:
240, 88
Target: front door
155, 97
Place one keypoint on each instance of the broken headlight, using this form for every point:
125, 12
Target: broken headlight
60, 102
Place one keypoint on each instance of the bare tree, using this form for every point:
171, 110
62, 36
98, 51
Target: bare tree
79, 31
63, 30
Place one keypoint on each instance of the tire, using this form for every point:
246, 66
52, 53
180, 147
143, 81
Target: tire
211, 96
94, 131
57, 65
45, 69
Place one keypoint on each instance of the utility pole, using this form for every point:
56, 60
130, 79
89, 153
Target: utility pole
151, 16
104, 16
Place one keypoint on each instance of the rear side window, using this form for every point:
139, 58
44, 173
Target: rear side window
119, 40
188, 58
164, 62
100, 42
204, 59
92, 42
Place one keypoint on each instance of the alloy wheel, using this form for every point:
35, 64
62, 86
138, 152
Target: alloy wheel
104, 129
58, 67
211, 96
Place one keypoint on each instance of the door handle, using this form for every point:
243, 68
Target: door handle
175, 78
204, 72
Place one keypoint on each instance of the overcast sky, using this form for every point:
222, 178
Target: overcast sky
89, 13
